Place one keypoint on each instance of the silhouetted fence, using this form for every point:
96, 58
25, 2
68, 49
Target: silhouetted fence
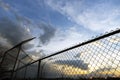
93, 59
12, 59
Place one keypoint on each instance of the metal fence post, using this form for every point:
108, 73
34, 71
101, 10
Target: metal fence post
19, 48
38, 73
3, 58
16, 71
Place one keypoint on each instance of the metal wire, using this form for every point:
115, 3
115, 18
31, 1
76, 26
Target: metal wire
13, 59
98, 58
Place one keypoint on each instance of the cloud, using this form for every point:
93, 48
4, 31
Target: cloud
96, 16
64, 39
75, 63
4, 5
103, 72
3, 42
48, 35
12, 25
23, 27
12, 32
48, 32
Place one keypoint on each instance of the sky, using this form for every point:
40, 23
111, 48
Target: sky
66, 23
57, 24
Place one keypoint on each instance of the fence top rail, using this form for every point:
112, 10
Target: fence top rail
18, 45
78, 45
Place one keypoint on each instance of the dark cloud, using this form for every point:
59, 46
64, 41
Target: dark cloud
75, 63
48, 32
12, 25
20, 27
13, 32
15, 28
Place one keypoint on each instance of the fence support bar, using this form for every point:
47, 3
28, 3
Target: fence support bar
38, 72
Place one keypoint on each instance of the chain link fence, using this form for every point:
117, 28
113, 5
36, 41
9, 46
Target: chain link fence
96, 59
12, 59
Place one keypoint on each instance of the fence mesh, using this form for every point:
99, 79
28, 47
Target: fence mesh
12, 59
98, 59
94, 60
